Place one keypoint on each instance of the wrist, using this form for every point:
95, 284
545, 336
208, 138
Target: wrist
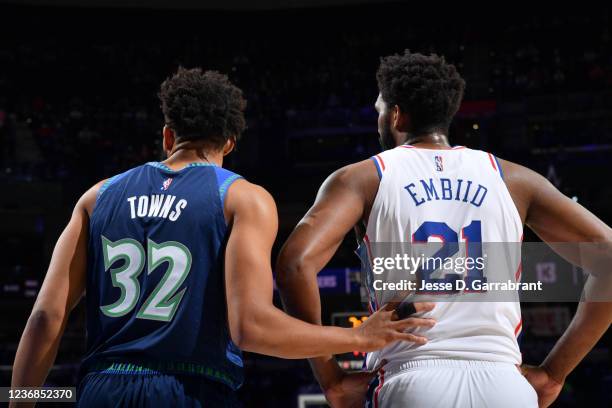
358, 340
334, 384
329, 375
555, 375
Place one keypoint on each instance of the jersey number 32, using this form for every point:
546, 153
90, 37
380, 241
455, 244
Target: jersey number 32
164, 300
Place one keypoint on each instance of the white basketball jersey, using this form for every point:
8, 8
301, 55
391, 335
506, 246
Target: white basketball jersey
453, 190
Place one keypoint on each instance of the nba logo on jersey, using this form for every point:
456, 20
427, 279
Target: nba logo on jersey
438, 160
166, 184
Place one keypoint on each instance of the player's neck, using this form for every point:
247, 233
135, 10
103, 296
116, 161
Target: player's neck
180, 158
433, 140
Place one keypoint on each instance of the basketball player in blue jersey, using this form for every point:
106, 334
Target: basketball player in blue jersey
412, 190
174, 258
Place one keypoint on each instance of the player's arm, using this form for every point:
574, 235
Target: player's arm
557, 219
255, 323
61, 291
342, 202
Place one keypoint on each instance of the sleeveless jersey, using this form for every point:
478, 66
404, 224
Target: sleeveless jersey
155, 283
458, 194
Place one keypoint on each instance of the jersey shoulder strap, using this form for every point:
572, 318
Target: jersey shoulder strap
494, 163
384, 160
225, 178
113, 180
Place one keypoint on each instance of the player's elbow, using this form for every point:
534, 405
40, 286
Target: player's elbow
244, 337
247, 334
289, 269
45, 322
602, 239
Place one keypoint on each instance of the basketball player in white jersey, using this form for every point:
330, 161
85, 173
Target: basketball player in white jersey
419, 187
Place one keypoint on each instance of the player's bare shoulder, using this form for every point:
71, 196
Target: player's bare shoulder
360, 178
87, 202
246, 198
523, 183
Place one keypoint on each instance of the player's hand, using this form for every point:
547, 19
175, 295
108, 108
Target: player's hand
383, 327
546, 387
351, 390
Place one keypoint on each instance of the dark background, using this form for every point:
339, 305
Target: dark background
78, 104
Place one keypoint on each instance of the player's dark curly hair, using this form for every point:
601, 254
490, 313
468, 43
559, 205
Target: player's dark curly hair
425, 86
203, 105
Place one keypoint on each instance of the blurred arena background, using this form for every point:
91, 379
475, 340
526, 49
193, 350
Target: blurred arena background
78, 104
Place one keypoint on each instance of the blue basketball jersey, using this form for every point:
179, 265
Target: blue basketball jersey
155, 281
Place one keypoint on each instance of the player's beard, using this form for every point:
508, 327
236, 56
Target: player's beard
385, 137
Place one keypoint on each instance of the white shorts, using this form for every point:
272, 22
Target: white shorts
452, 383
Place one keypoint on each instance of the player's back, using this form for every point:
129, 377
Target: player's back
454, 196
155, 284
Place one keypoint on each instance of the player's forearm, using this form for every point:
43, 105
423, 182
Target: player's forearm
267, 330
327, 371
299, 290
37, 349
300, 294
591, 321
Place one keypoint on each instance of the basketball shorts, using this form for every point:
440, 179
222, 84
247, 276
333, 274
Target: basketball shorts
153, 390
451, 384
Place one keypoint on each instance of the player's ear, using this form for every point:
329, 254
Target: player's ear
229, 146
168, 139
400, 120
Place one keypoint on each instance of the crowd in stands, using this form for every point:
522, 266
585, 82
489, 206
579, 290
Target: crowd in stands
69, 96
